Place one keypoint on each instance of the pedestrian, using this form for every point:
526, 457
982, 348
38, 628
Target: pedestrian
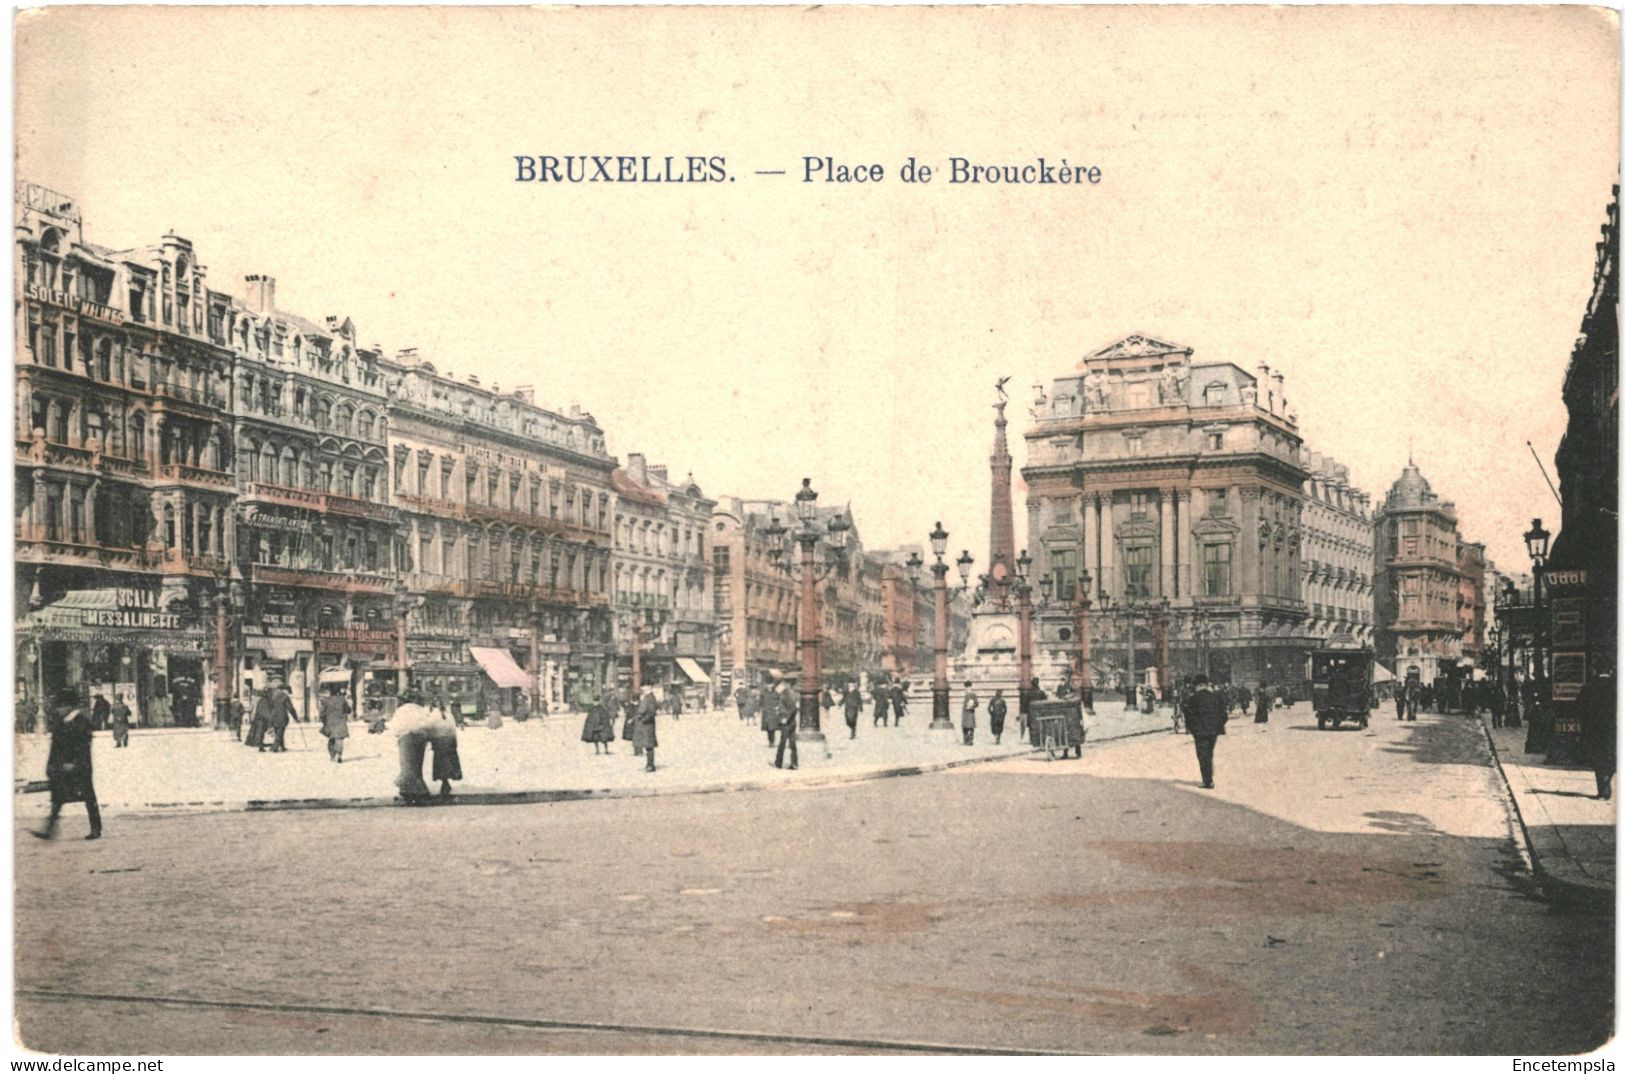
1263, 711
121, 724
787, 726
1024, 703
852, 702
335, 723
899, 702
1597, 717
67, 766
599, 726
160, 713
100, 712
629, 707
996, 709
412, 723
826, 701
739, 704
275, 710
882, 696
235, 717
1510, 700
1244, 699
1413, 698
643, 731
448, 765
1205, 717
967, 715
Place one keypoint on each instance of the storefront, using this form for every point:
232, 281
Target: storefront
504, 684
361, 661
120, 644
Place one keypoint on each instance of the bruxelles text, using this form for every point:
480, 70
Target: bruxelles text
714, 169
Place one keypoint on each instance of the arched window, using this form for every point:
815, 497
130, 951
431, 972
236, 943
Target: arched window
364, 425
345, 414
268, 471
290, 467
138, 437
94, 428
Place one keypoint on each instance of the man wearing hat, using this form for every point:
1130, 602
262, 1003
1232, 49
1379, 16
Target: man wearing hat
1205, 717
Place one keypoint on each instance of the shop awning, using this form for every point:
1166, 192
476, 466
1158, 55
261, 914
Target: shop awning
1380, 673
277, 648
500, 667
334, 675
695, 673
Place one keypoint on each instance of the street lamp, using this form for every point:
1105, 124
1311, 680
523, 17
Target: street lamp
1536, 541
1024, 624
939, 571
809, 572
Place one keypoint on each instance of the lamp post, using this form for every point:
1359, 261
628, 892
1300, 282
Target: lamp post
939, 571
1080, 626
1536, 541
809, 573
1164, 668
1024, 624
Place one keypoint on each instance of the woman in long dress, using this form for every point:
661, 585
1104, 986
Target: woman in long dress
599, 726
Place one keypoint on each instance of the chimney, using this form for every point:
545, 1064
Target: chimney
1279, 395
261, 292
526, 392
638, 467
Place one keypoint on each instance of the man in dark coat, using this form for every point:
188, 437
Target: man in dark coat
996, 710
121, 724
277, 709
787, 725
335, 723
853, 704
768, 712
882, 700
1597, 725
67, 767
1262, 697
1205, 717
899, 702
100, 712
1412, 693
643, 730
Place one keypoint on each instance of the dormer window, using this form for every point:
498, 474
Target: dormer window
1214, 394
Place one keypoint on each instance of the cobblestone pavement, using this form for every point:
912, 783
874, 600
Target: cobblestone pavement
1341, 892
202, 769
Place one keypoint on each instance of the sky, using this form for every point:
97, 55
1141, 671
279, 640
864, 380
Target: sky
1396, 207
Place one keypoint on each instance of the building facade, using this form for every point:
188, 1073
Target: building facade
663, 587
125, 495
1338, 556
505, 515
755, 601
1418, 579
1168, 478
316, 544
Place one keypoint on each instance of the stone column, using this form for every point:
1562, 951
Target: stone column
1165, 539
1089, 553
1187, 576
1108, 547
1249, 580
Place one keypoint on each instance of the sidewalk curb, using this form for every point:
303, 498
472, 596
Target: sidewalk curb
577, 794
1536, 852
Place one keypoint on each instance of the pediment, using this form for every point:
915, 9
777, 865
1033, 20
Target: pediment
1060, 535
1215, 526
1136, 347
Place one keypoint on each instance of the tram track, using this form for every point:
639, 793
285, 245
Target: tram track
760, 1039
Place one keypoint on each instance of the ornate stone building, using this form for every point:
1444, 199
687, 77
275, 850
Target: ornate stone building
1170, 478
755, 601
1418, 579
1337, 558
506, 510
124, 456
317, 541
663, 577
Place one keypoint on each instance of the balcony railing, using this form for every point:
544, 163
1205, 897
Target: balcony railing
202, 397
473, 512
311, 500
195, 475
317, 578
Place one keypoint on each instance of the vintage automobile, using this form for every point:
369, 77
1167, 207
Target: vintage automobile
1340, 681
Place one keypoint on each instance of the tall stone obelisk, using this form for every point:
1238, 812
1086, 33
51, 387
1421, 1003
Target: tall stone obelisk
1001, 551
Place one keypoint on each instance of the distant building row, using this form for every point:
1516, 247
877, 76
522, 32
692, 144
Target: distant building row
214, 492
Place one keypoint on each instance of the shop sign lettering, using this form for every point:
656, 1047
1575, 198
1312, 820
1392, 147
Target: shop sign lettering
125, 617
